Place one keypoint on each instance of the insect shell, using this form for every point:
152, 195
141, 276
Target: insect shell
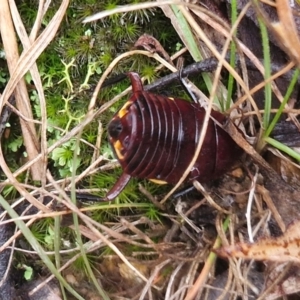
155, 137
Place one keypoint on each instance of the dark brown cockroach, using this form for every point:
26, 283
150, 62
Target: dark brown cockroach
155, 137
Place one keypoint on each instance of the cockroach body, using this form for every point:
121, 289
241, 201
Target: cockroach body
155, 137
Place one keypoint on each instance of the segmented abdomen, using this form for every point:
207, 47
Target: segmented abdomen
164, 137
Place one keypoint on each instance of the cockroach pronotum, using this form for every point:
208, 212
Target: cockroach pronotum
155, 137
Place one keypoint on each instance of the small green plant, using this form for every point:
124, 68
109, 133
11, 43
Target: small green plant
153, 214
3, 77
42, 231
63, 158
28, 273
49, 237
15, 144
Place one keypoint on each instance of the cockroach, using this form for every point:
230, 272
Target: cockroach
155, 137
